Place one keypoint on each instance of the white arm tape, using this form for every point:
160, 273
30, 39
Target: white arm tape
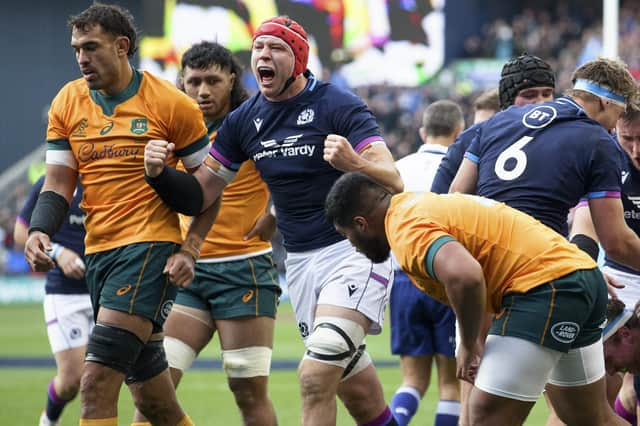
61, 158
218, 169
193, 160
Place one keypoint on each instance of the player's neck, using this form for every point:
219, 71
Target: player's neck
124, 79
439, 140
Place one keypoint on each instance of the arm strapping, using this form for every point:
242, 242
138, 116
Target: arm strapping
587, 244
49, 213
179, 190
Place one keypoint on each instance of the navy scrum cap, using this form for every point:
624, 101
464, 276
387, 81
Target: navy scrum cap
521, 73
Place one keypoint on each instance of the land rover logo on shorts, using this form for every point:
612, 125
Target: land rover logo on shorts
565, 332
139, 126
166, 308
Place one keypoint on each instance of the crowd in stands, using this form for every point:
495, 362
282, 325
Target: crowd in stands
561, 37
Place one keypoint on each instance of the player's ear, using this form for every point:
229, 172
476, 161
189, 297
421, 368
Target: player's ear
122, 44
360, 223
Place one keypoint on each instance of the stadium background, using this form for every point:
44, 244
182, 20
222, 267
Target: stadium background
398, 55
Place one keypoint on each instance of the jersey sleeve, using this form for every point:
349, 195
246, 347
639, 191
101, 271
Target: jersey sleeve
24, 215
354, 121
606, 170
58, 146
474, 151
415, 242
451, 162
227, 149
188, 132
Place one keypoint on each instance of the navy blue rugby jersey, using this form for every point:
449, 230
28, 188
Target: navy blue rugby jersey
541, 159
451, 162
70, 235
630, 202
286, 141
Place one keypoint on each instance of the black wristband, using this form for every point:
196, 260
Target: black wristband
587, 244
179, 190
49, 212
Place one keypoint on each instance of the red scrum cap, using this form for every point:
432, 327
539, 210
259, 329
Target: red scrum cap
292, 33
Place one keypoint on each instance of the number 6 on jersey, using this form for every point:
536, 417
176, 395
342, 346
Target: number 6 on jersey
514, 151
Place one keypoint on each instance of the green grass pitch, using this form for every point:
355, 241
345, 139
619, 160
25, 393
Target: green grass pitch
203, 393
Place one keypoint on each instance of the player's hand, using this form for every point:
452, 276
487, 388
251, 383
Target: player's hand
71, 264
340, 154
467, 363
612, 285
35, 251
156, 155
180, 269
265, 227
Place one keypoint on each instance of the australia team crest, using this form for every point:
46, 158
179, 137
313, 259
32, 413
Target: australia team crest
139, 126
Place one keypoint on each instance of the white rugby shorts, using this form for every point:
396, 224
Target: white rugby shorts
69, 319
337, 275
519, 369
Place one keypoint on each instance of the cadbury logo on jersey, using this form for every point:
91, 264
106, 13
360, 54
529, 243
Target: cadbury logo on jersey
88, 152
286, 147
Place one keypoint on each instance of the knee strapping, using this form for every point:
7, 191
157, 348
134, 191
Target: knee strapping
179, 354
334, 341
252, 361
151, 362
114, 347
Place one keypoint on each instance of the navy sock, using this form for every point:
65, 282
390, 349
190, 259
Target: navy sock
55, 404
384, 419
404, 404
447, 413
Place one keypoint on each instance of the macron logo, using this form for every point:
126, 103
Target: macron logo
625, 175
258, 123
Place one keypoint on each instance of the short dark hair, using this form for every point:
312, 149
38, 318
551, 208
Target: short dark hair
615, 308
349, 197
630, 115
206, 54
112, 18
442, 118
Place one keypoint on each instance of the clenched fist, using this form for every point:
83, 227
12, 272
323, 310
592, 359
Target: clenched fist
156, 155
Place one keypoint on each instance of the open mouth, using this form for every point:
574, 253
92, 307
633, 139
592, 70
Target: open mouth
266, 74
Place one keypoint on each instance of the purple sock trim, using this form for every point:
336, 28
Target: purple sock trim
622, 412
53, 395
381, 420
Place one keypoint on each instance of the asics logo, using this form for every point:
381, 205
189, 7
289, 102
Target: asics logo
123, 290
247, 296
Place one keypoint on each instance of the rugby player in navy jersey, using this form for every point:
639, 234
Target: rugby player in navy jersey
302, 135
524, 80
542, 158
67, 306
628, 137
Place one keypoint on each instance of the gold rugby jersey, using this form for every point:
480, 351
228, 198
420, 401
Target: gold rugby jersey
516, 252
107, 136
